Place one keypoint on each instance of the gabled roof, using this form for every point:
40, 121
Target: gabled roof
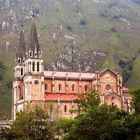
107, 70
113, 93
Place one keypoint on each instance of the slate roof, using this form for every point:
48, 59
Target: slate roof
70, 75
20, 53
33, 42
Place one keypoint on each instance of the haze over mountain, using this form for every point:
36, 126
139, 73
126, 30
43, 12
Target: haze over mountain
75, 35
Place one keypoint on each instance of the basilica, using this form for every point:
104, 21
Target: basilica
56, 91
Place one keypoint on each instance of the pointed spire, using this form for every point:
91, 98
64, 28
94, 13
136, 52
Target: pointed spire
20, 54
34, 44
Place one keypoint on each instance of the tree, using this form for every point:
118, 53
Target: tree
98, 122
82, 22
88, 102
122, 63
134, 127
6, 133
63, 126
136, 100
134, 123
127, 67
32, 125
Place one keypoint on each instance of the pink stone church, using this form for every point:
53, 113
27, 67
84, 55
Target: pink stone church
55, 90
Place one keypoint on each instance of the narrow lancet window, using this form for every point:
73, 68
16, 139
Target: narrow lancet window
65, 108
59, 87
73, 87
33, 66
86, 87
21, 71
37, 66
30, 54
19, 60
46, 87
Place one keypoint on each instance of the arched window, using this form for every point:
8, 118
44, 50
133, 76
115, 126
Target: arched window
73, 87
21, 71
112, 100
28, 67
37, 66
86, 87
19, 60
46, 86
59, 87
65, 108
35, 54
20, 93
33, 66
30, 54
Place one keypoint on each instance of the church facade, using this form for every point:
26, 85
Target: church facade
55, 91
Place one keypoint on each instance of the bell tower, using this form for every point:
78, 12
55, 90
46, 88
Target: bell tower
18, 89
34, 67
34, 61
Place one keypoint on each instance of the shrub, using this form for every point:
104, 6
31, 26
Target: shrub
122, 63
69, 27
82, 22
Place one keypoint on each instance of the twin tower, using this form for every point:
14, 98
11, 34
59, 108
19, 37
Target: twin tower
28, 57
28, 69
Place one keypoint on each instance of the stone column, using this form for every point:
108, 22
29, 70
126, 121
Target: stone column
66, 88
53, 82
79, 85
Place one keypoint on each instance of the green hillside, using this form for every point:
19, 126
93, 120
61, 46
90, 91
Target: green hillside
75, 35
